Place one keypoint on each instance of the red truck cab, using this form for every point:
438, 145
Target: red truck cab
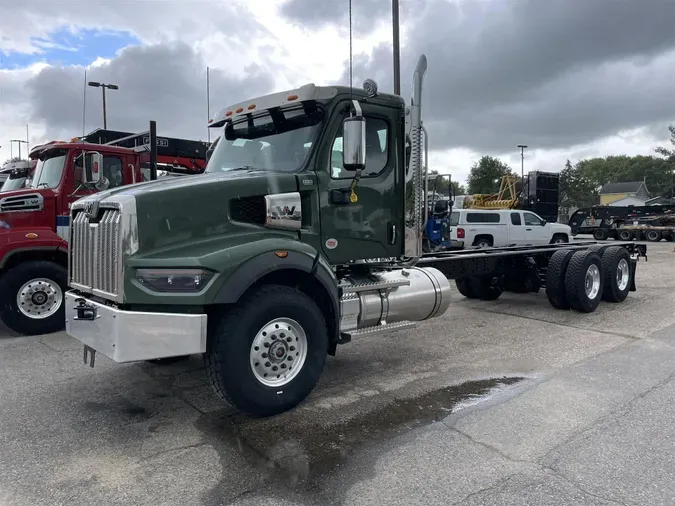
35, 220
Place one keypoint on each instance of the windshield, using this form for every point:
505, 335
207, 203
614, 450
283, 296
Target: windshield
276, 140
48, 172
13, 184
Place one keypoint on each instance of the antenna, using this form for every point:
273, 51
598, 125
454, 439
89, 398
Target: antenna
351, 58
208, 105
84, 109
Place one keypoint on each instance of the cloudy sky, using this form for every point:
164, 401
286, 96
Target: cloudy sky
569, 78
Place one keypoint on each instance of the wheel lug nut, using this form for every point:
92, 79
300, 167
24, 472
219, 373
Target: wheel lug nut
290, 358
292, 348
267, 364
288, 339
274, 338
275, 368
266, 345
283, 366
264, 355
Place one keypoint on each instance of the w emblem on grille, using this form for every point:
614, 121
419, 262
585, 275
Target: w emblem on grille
91, 208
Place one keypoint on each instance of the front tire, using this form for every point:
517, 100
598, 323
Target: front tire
32, 297
266, 353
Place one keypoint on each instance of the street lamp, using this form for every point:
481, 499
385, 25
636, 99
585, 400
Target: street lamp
103, 87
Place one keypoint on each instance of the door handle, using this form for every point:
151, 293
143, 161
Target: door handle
529, 229
392, 233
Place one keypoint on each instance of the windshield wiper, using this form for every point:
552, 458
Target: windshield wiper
244, 167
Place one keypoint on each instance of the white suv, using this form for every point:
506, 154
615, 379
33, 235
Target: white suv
509, 227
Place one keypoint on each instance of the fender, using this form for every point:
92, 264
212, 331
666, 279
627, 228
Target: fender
254, 269
16, 241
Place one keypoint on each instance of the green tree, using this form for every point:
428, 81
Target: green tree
13, 159
577, 189
486, 175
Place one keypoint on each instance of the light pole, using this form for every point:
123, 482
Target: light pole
397, 47
19, 142
103, 87
522, 167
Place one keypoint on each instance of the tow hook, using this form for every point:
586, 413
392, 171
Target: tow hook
89, 355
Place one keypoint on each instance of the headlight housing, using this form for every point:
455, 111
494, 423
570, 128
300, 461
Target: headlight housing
174, 280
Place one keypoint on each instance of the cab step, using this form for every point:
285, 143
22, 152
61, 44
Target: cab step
379, 329
376, 285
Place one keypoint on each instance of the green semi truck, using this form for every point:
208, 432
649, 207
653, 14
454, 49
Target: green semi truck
274, 256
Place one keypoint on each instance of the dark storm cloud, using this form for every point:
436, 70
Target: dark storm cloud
163, 83
552, 74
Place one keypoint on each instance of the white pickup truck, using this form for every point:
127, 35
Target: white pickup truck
485, 228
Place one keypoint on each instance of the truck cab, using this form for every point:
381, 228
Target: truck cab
35, 221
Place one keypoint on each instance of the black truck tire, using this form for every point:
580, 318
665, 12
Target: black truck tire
265, 354
483, 289
670, 237
466, 288
599, 234
32, 297
653, 235
584, 281
555, 279
616, 266
625, 235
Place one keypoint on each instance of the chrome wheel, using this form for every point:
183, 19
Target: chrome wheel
278, 352
622, 274
39, 298
592, 281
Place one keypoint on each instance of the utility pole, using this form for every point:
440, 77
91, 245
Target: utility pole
522, 168
103, 87
19, 142
397, 47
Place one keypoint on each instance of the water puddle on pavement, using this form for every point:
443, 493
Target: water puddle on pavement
295, 450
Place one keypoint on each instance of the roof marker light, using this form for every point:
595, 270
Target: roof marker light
228, 113
239, 109
292, 97
251, 107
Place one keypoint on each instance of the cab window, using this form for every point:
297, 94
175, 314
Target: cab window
377, 150
532, 219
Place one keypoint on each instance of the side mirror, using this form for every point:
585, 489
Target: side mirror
92, 175
354, 142
543, 222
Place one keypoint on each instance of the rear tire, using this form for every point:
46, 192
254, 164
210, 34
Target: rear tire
625, 235
559, 239
466, 288
32, 297
653, 235
484, 289
584, 281
599, 234
555, 279
483, 242
616, 264
265, 354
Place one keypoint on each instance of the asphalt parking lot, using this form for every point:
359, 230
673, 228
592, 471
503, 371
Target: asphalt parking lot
506, 402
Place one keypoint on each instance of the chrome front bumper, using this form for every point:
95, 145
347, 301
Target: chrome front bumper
129, 336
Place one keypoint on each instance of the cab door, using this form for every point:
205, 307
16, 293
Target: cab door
370, 227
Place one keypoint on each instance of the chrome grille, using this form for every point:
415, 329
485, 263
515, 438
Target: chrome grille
94, 251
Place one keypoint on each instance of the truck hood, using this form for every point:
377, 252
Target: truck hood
193, 208
20, 207
559, 227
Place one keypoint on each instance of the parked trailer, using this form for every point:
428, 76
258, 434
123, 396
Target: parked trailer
625, 223
283, 257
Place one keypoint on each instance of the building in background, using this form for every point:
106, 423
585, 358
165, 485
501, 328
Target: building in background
630, 193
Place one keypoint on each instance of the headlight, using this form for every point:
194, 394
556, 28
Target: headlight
174, 280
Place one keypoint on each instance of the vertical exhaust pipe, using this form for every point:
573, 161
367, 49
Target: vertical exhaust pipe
416, 184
